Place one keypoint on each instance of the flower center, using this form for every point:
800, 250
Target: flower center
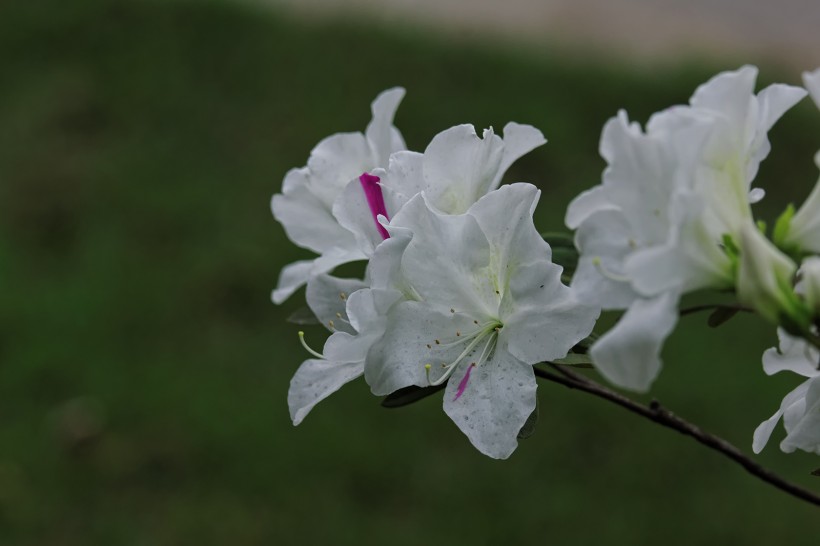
483, 339
375, 200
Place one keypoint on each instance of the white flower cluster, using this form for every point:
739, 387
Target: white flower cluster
460, 287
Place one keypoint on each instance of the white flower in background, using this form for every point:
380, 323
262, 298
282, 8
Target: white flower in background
810, 283
484, 304
800, 409
354, 311
669, 213
802, 232
305, 205
456, 169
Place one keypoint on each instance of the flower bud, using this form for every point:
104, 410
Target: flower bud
765, 281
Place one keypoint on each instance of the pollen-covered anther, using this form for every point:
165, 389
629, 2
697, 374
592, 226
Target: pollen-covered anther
343, 296
458, 334
330, 323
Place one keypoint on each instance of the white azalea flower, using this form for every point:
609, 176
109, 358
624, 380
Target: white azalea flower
800, 409
305, 205
485, 304
810, 283
671, 200
354, 311
457, 168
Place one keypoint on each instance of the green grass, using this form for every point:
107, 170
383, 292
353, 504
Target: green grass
143, 371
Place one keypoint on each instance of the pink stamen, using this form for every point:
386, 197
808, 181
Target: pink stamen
462, 386
375, 200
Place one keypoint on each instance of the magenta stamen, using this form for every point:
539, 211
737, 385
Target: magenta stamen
375, 200
462, 386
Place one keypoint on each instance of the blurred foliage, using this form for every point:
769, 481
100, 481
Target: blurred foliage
143, 371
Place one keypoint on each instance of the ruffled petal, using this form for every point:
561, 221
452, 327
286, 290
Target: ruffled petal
308, 222
519, 140
547, 320
314, 381
384, 139
496, 402
628, 355
460, 167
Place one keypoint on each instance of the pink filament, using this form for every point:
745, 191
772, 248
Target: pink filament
462, 386
375, 200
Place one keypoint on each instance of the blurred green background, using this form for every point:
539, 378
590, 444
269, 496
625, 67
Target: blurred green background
144, 371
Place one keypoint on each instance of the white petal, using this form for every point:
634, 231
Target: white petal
728, 93
812, 82
764, 431
292, 277
628, 355
383, 137
586, 204
773, 102
447, 258
795, 355
337, 160
505, 217
547, 321
353, 213
459, 167
398, 359
295, 275
519, 140
404, 179
498, 399
327, 298
314, 381
604, 240
306, 219
805, 434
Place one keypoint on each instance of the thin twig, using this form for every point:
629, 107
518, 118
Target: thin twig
655, 412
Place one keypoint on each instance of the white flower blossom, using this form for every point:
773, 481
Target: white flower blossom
800, 409
305, 206
483, 304
672, 200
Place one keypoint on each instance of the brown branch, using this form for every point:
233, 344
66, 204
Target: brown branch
655, 412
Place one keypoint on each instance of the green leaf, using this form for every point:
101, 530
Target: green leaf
529, 425
721, 315
303, 316
575, 360
409, 395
